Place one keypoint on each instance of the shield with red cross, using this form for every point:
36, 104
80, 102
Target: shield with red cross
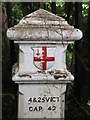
44, 57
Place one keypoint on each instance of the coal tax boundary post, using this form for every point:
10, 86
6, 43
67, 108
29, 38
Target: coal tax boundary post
42, 75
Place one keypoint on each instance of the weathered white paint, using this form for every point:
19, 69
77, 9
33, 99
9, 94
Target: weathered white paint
49, 77
41, 34
43, 26
35, 79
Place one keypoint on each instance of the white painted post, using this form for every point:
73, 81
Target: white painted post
42, 74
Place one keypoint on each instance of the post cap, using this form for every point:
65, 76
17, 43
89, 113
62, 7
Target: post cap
43, 27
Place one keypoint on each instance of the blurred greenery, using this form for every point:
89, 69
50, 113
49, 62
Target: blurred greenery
85, 7
17, 12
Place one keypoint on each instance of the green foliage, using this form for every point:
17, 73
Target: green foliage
85, 7
60, 8
17, 12
70, 57
48, 6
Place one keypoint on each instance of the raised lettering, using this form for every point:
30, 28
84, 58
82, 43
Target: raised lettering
53, 108
39, 99
47, 99
31, 108
35, 109
52, 99
34, 100
43, 99
30, 100
57, 99
40, 108
49, 108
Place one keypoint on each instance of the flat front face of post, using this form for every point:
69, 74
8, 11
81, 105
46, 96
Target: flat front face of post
41, 101
44, 58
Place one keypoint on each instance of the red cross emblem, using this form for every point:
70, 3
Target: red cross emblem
44, 57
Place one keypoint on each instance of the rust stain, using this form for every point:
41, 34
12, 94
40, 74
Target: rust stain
24, 75
58, 74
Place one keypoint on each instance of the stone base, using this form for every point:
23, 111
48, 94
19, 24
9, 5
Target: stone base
41, 100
